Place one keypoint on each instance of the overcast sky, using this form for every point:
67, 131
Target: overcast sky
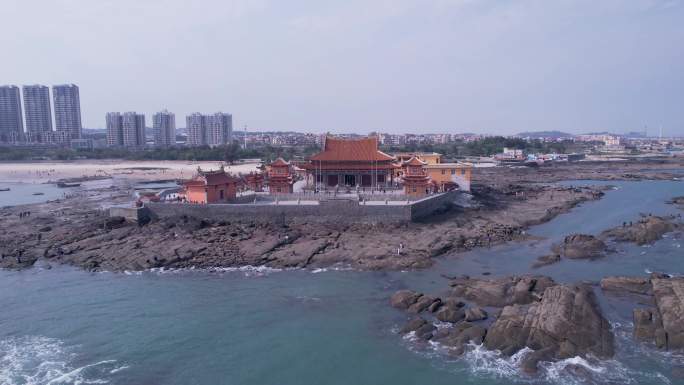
361, 65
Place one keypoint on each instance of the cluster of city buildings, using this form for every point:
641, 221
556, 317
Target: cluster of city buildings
34, 123
128, 129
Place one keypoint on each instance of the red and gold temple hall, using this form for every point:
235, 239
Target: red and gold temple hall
351, 163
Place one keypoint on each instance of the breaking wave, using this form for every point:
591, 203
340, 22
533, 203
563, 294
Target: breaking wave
483, 363
38, 360
248, 271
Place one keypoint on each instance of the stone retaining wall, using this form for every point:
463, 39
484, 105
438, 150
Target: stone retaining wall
325, 211
135, 214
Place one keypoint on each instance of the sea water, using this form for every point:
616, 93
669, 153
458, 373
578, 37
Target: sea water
327, 326
27, 193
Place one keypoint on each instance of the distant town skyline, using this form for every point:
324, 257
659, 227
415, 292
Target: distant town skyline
398, 66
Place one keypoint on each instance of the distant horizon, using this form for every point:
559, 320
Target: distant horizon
273, 131
400, 66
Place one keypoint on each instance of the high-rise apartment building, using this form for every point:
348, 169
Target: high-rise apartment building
114, 126
67, 111
196, 128
37, 112
11, 123
164, 125
125, 130
133, 129
219, 129
212, 130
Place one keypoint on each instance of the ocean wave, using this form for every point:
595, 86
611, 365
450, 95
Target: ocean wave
34, 360
483, 363
326, 269
249, 270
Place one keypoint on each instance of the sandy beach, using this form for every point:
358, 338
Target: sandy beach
44, 172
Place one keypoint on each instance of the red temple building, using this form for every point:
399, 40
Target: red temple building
255, 181
416, 180
351, 163
210, 187
280, 179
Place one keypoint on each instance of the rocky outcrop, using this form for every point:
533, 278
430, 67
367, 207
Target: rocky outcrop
475, 314
580, 246
631, 285
450, 314
502, 291
461, 334
555, 321
669, 297
647, 230
546, 260
567, 322
660, 324
403, 299
648, 327
422, 328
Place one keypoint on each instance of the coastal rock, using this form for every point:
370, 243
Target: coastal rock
425, 332
403, 299
632, 285
422, 328
669, 297
649, 327
647, 230
435, 305
546, 260
500, 292
423, 303
450, 314
413, 325
460, 335
475, 314
454, 302
567, 321
581, 246
531, 361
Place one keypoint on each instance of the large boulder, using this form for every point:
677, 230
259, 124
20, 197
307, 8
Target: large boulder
581, 246
450, 314
475, 314
423, 303
420, 327
403, 299
501, 292
567, 321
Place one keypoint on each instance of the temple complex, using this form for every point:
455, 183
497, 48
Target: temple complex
416, 180
255, 181
351, 163
280, 178
210, 187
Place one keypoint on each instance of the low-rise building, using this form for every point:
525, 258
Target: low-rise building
211, 187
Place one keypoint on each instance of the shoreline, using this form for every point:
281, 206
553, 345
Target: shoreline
78, 232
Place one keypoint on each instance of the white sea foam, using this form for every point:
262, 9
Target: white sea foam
34, 360
248, 270
571, 371
326, 269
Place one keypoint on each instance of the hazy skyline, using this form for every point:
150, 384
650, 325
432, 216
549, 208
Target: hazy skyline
394, 66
